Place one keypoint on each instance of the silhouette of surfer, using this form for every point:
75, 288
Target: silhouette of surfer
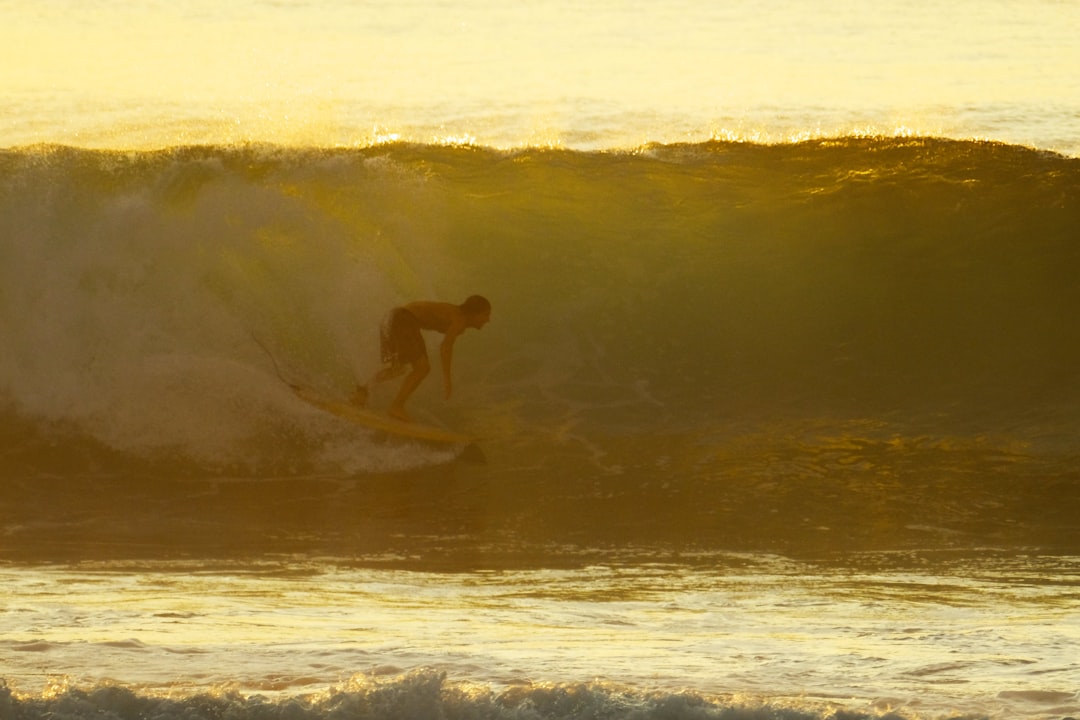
402, 345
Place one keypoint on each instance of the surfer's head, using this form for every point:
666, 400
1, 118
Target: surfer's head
477, 311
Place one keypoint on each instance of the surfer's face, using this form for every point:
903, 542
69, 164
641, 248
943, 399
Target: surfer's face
480, 320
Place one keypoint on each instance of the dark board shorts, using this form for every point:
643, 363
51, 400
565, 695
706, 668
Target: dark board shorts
402, 343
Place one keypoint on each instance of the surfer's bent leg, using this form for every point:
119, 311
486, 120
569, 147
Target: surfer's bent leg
420, 370
401, 346
362, 392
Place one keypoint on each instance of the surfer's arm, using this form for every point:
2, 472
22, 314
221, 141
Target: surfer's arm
446, 355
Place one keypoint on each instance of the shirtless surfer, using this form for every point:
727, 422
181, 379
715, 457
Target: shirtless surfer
403, 347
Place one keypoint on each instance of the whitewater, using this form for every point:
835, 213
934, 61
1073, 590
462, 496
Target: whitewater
714, 637
777, 409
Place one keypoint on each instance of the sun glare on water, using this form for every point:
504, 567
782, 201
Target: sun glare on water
537, 73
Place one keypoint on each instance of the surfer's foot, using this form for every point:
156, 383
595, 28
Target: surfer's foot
360, 396
399, 414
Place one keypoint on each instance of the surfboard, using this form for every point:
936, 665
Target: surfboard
375, 421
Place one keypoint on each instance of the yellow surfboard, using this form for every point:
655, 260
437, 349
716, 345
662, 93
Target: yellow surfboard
375, 421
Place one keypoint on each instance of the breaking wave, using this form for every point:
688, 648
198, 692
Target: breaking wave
885, 291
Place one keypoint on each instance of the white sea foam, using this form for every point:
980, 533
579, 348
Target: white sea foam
988, 637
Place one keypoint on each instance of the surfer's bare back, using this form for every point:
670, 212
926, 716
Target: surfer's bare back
402, 345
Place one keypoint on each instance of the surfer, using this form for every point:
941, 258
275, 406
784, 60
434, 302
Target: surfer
402, 345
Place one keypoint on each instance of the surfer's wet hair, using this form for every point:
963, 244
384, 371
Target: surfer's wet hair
476, 305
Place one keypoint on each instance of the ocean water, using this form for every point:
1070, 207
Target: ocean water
592, 75
779, 407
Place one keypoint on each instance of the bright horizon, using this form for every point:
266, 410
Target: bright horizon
332, 73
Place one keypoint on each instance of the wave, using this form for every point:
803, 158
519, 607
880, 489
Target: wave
876, 291
427, 694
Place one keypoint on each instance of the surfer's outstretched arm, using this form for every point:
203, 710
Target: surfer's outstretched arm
446, 355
